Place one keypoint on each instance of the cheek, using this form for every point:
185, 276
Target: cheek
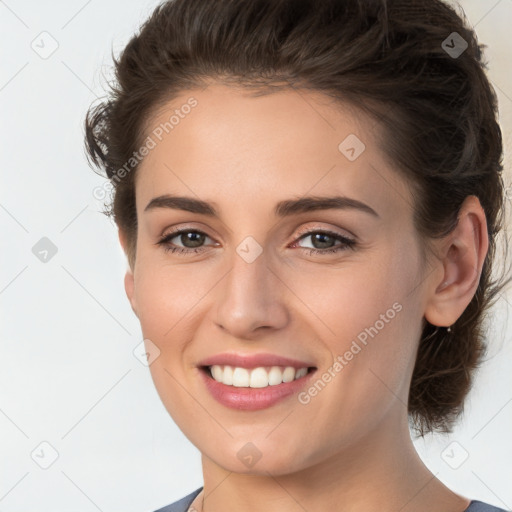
388, 322
167, 296
367, 319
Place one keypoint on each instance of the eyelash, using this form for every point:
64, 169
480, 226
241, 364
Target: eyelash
347, 243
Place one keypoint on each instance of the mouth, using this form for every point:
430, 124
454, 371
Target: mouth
254, 381
257, 388
258, 377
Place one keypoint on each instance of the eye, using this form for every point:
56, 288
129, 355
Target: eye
192, 240
325, 238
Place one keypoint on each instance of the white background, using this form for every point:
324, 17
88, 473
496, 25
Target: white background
68, 376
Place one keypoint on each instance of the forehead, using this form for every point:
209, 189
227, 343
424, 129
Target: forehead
226, 145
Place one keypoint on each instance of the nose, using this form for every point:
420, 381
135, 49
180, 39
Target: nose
251, 299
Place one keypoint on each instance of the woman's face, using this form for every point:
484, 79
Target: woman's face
254, 287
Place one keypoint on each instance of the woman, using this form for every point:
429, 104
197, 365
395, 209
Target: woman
308, 194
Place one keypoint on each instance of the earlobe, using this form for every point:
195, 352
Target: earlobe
461, 263
129, 287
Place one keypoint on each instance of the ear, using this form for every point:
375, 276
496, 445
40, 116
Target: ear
129, 282
462, 254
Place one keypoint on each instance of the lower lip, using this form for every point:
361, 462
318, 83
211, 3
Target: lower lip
253, 399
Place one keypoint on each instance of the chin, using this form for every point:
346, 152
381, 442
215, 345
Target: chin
257, 458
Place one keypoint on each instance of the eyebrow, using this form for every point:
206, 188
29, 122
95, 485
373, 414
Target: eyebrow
283, 208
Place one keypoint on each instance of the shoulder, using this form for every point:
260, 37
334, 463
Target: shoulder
183, 504
480, 506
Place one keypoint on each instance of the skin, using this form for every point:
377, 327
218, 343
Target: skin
349, 448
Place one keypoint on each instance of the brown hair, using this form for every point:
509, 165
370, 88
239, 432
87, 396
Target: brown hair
397, 60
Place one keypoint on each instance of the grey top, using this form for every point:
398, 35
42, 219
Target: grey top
183, 504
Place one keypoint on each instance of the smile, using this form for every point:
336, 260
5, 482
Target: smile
253, 389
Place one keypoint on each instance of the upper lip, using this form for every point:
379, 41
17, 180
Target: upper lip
253, 360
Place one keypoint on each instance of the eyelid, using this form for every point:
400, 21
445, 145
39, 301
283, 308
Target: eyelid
334, 231
178, 229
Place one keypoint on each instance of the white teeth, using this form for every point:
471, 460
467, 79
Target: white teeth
227, 377
217, 372
301, 372
241, 378
275, 376
288, 374
260, 377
